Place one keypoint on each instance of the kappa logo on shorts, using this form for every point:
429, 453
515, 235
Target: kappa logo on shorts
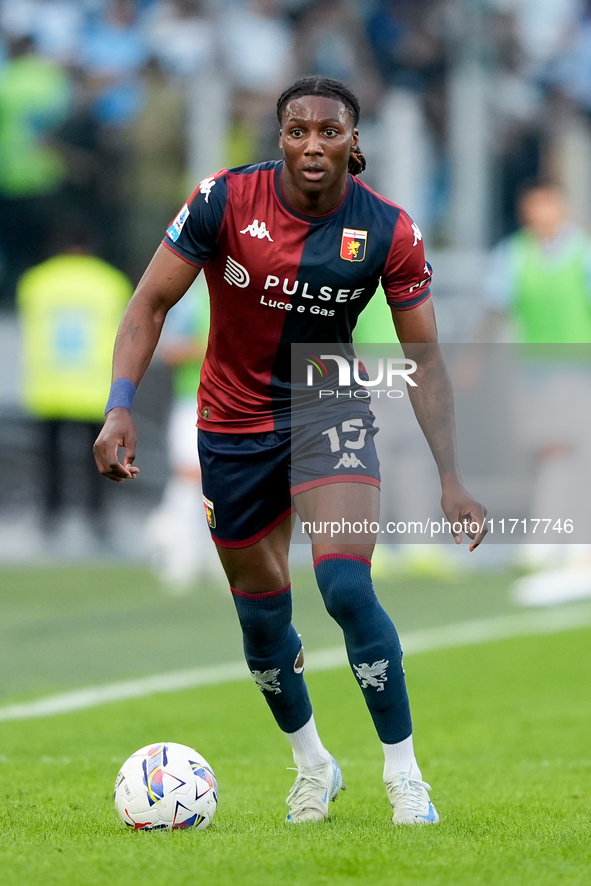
349, 460
209, 512
353, 244
235, 274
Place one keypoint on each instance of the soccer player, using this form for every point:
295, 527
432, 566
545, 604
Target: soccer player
292, 252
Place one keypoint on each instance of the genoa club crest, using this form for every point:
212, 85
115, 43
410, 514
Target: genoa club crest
209, 512
353, 244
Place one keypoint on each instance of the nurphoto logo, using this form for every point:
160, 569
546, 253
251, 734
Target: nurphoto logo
353, 372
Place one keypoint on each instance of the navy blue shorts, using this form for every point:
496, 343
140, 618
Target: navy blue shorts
249, 479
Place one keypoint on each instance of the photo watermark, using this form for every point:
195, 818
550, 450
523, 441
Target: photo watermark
523, 425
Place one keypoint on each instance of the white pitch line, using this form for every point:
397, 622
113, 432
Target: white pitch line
466, 633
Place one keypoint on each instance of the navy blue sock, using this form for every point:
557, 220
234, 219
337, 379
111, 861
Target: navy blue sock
371, 639
273, 651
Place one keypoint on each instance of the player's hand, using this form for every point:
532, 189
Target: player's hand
118, 430
461, 509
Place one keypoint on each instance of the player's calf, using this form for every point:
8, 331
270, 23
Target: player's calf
274, 654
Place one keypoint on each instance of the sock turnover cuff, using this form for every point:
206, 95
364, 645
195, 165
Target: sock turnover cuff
325, 557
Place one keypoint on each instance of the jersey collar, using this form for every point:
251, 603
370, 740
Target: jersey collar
311, 219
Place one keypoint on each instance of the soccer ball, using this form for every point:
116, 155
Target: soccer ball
164, 786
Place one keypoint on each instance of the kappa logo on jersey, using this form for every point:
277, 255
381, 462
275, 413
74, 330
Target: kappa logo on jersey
353, 244
174, 231
416, 231
209, 513
206, 185
258, 229
235, 274
349, 460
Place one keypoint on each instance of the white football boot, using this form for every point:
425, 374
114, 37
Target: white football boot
313, 789
410, 800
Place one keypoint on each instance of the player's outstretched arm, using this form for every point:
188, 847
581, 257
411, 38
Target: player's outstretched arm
433, 403
165, 281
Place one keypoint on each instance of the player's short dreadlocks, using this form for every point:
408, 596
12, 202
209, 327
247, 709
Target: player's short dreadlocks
330, 88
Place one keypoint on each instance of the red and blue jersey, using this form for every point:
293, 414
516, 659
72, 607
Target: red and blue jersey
278, 277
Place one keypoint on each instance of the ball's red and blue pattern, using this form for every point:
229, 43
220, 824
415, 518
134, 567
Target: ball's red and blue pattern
166, 786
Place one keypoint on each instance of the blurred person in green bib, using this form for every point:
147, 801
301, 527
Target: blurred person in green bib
539, 278
35, 97
537, 291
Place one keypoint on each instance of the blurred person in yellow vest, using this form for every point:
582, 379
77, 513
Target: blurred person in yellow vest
70, 307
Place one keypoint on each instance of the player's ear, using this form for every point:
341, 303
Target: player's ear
355, 139
280, 137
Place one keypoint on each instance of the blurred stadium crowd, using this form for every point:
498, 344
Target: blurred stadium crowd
111, 109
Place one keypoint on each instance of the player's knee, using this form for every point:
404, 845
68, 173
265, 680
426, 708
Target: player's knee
345, 586
264, 619
346, 602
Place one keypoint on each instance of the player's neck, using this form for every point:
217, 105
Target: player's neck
313, 202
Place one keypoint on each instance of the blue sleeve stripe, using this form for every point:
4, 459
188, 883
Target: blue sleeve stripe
406, 304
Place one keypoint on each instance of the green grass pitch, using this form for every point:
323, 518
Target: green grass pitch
501, 731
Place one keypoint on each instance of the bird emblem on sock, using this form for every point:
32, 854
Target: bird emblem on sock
267, 680
372, 675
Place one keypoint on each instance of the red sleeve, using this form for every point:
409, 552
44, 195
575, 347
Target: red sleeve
407, 275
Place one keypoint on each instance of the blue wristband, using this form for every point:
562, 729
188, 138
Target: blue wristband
121, 394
